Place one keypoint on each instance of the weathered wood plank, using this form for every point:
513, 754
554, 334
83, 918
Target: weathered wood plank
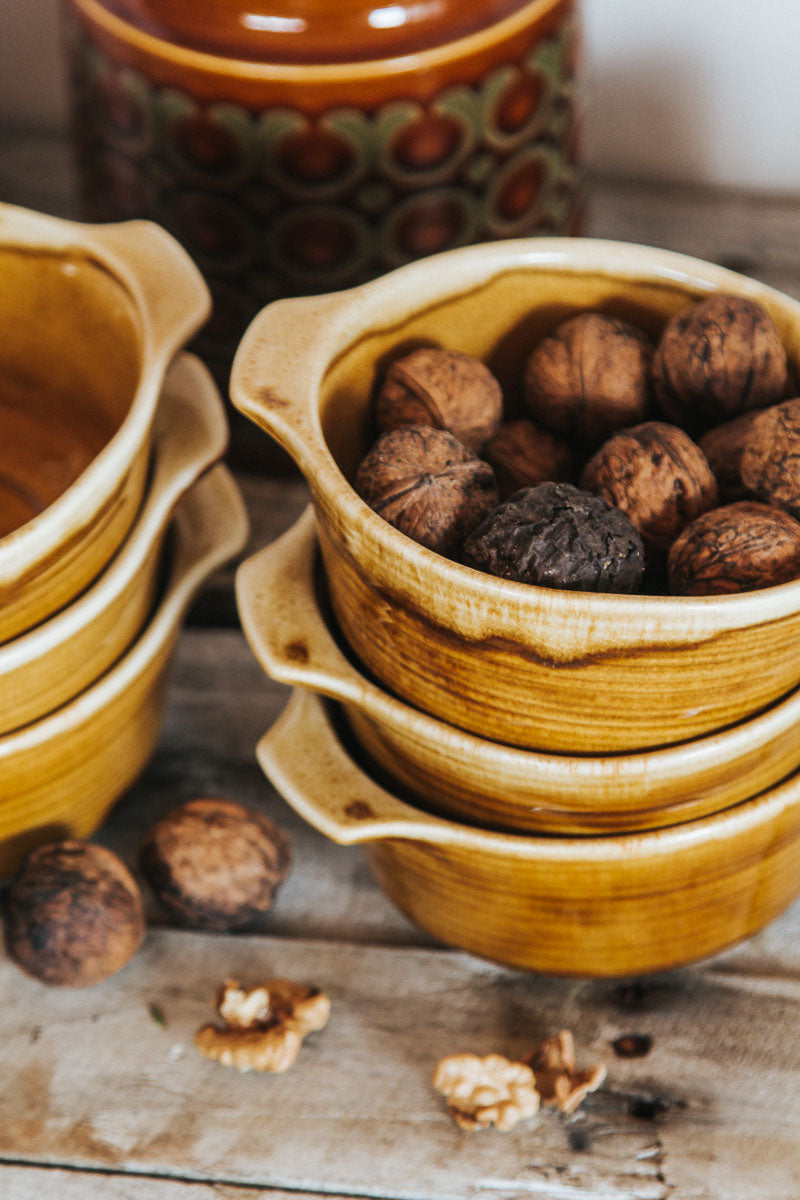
711, 1113
53, 1183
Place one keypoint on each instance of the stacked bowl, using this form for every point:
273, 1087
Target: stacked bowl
111, 515
574, 782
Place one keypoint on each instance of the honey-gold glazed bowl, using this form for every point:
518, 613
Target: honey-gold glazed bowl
286, 620
592, 906
570, 672
60, 775
43, 668
90, 318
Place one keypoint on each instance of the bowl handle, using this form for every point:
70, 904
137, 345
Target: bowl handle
278, 368
278, 610
162, 278
302, 755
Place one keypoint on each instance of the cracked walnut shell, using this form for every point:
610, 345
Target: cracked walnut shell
486, 1091
445, 389
264, 1026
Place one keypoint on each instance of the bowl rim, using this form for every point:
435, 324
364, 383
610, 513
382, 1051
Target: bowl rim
329, 326
141, 257
211, 526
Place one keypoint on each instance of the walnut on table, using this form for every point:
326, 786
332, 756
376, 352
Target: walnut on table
264, 1026
557, 1081
486, 1091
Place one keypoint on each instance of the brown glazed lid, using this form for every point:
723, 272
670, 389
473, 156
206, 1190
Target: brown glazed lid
313, 31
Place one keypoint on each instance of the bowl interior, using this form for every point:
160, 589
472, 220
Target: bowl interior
500, 320
69, 368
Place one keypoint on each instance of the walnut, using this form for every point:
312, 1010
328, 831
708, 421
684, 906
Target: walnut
717, 358
73, 914
589, 377
486, 1091
428, 485
442, 388
556, 535
723, 446
557, 1081
523, 454
214, 864
657, 475
770, 459
264, 1026
736, 548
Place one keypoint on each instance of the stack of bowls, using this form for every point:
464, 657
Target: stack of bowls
578, 783
110, 517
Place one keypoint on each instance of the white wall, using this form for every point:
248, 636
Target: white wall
698, 90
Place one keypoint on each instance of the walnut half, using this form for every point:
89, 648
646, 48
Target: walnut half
264, 1026
558, 1082
486, 1091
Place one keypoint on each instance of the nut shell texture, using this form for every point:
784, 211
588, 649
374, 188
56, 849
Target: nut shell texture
523, 454
770, 460
428, 485
736, 548
657, 475
717, 358
557, 536
445, 389
74, 914
590, 377
215, 864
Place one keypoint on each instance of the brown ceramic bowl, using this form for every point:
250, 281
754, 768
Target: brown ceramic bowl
601, 906
60, 775
534, 667
90, 318
285, 619
43, 668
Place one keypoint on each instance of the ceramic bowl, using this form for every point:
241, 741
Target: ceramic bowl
43, 668
287, 623
59, 776
534, 667
604, 906
90, 318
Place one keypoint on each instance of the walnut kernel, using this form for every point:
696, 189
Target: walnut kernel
557, 1080
442, 388
590, 377
264, 1026
736, 548
657, 475
486, 1091
428, 485
73, 914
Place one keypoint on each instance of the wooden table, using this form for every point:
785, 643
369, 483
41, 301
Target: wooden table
103, 1094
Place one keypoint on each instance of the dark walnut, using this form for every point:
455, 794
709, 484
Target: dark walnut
73, 914
590, 377
770, 459
716, 359
428, 485
557, 536
736, 548
523, 454
442, 388
214, 864
723, 446
657, 475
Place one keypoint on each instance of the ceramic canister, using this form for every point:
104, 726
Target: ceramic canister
303, 146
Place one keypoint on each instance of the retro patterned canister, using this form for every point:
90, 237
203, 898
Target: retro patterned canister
303, 146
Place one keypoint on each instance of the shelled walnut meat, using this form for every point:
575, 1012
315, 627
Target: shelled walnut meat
428, 485
589, 377
736, 548
718, 357
73, 914
657, 475
263, 1027
215, 864
446, 389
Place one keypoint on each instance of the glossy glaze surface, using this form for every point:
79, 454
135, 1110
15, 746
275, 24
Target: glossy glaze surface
287, 622
50, 664
534, 667
59, 776
90, 318
577, 906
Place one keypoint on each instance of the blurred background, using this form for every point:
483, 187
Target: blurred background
692, 91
